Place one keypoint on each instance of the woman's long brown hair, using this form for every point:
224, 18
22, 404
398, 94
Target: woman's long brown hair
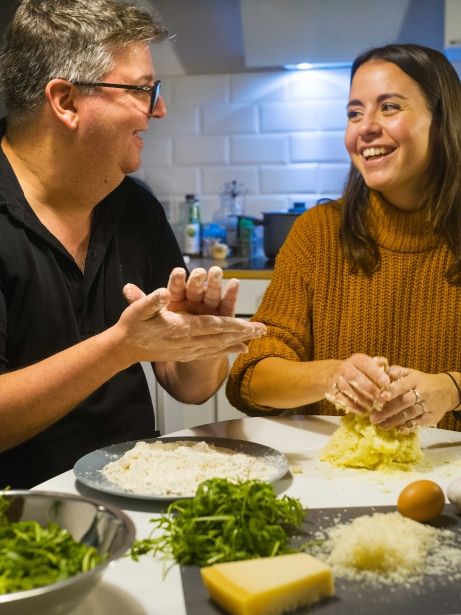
441, 88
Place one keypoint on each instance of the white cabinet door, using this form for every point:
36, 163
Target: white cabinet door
250, 295
224, 411
173, 415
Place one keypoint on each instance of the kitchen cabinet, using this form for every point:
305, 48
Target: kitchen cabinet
224, 410
250, 295
333, 32
453, 30
172, 415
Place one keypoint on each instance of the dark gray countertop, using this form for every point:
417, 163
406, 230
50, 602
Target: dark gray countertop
432, 595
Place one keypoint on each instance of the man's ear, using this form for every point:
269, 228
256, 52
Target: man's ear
61, 95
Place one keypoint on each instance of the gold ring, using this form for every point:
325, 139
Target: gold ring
417, 396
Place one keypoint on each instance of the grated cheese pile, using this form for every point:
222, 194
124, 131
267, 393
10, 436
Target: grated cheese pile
389, 548
357, 443
177, 468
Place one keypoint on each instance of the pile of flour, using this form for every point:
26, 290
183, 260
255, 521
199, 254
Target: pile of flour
177, 468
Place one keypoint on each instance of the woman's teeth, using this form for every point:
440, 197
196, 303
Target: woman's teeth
373, 152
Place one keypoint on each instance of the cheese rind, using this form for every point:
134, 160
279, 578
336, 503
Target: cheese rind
269, 585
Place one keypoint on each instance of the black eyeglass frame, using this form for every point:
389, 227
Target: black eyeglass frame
153, 90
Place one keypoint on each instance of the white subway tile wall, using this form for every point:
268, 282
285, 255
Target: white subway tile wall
259, 149
280, 133
200, 151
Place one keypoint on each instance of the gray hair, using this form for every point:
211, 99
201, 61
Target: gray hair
69, 39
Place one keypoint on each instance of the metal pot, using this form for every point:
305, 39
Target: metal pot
277, 225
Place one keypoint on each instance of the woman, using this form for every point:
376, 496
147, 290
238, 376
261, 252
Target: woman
374, 279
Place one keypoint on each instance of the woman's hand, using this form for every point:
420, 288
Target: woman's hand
414, 398
357, 383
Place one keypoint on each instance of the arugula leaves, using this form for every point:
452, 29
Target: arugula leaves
225, 522
33, 556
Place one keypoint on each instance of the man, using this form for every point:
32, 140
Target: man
80, 243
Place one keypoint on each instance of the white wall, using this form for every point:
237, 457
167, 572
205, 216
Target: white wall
281, 133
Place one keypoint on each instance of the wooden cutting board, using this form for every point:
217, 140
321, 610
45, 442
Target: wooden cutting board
434, 596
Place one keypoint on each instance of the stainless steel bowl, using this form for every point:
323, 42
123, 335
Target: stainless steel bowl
105, 527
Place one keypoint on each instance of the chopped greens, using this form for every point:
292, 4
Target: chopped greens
225, 522
33, 556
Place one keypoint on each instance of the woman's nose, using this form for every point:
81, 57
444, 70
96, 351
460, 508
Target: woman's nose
160, 109
369, 125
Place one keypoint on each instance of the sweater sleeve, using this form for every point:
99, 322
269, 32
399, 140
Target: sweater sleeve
286, 310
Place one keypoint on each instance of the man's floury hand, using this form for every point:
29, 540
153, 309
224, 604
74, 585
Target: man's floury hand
186, 321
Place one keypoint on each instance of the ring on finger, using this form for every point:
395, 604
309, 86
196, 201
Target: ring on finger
417, 396
423, 407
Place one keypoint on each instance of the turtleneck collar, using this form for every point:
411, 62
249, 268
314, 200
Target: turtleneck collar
399, 230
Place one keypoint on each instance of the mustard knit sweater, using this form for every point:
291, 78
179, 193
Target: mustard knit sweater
315, 309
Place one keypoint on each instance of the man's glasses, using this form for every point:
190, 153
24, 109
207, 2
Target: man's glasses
154, 91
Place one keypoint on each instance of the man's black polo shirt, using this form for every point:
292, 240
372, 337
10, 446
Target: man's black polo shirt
47, 305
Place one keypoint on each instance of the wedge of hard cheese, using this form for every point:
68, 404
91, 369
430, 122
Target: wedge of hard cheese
268, 585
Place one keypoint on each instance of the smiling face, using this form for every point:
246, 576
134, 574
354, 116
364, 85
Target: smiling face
388, 132
113, 120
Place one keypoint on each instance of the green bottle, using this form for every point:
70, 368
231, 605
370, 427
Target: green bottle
193, 227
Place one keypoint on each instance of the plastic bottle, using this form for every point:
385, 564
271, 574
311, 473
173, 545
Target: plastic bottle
232, 221
193, 226
181, 222
232, 208
246, 232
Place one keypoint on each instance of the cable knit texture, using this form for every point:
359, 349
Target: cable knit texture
315, 309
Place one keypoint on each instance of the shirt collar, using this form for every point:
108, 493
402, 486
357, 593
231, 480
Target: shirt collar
11, 194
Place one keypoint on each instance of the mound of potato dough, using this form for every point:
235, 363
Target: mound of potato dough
359, 444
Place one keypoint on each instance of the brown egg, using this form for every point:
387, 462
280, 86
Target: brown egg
421, 500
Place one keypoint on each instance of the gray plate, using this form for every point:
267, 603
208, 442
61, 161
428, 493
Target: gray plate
88, 468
